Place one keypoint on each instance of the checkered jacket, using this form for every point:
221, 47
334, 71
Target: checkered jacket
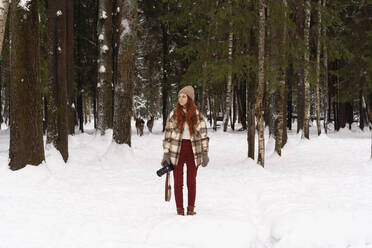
173, 139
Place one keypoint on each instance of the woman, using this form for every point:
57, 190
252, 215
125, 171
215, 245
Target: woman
185, 141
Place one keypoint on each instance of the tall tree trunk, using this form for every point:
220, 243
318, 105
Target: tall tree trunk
4, 8
26, 127
300, 70
242, 104
306, 69
79, 100
165, 87
229, 75
215, 110
325, 65
5, 72
4, 76
318, 47
205, 74
251, 94
104, 85
125, 84
261, 84
71, 112
57, 128
281, 88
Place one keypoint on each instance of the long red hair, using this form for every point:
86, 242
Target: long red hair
189, 116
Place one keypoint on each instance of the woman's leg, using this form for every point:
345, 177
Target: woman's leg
191, 176
178, 178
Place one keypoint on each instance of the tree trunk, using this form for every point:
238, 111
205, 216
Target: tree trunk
251, 93
281, 88
325, 65
104, 84
125, 84
215, 110
165, 85
306, 69
261, 84
5, 72
229, 75
300, 70
57, 128
318, 47
4, 8
26, 127
71, 112
79, 100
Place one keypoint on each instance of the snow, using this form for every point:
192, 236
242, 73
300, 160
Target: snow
103, 14
102, 69
100, 37
104, 48
24, 4
318, 194
125, 29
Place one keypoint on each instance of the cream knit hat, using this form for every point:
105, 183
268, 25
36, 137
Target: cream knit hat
188, 90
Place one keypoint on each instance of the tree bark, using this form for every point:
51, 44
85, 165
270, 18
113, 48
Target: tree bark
71, 112
26, 127
165, 88
57, 128
229, 75
261, 84
325, 65
281, 88
318, 47
4, 8
300, 70
306, 70
105, 68
125, 85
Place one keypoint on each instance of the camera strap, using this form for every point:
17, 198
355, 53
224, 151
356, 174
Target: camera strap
168, 188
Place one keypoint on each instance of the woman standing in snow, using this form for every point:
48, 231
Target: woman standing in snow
185, 141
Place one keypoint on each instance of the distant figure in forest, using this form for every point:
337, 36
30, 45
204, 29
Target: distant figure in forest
150, 124
140, 124
185, 141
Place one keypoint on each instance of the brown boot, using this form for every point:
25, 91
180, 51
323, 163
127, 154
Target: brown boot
180, 211
190, 210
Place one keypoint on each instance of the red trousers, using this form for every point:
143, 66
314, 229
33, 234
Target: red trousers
186, 155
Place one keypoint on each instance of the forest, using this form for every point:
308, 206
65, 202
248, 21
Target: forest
254, 64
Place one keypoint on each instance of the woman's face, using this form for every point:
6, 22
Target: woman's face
182, 99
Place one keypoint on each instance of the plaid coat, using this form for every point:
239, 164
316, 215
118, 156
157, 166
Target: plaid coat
173, 139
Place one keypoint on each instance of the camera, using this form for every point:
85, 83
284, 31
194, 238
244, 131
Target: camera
167, 168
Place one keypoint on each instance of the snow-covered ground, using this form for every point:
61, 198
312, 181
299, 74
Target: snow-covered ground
318, 194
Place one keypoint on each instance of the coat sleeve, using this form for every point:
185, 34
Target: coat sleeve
167, 134
204, 134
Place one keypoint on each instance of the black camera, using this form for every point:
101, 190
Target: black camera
167, 168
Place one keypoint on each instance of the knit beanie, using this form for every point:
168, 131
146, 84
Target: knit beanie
188, 90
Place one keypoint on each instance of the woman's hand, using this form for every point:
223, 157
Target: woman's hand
166, 157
